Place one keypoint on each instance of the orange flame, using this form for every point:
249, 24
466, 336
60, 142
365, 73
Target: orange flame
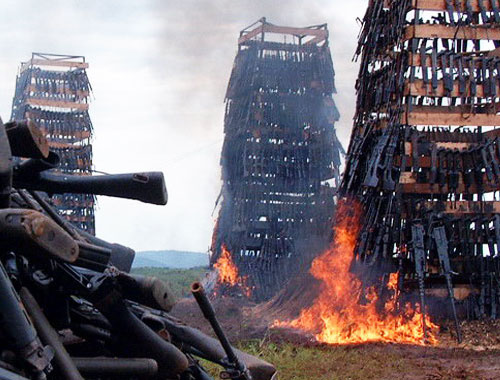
336, 316
227, 272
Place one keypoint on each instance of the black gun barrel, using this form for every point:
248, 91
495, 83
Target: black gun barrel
17, 328
47, 333
147, 290
148, 187
135, 337
203, 345
121, 256
87, 330
92, 256
117, 367
12, 315
209, 313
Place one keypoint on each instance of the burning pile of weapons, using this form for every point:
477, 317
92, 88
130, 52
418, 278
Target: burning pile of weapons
347, 312
280, 148
68, 306
228, 277
424, 158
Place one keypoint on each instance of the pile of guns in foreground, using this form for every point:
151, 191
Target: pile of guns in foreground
69, 309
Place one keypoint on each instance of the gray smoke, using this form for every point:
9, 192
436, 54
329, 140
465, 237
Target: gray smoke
159, 70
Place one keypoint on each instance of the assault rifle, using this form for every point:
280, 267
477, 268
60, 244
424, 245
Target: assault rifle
417, 233
439, 235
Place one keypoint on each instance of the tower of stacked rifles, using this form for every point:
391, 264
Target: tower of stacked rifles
424, 154
281, 157
52, 91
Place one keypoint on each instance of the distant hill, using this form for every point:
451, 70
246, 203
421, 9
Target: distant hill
170, 259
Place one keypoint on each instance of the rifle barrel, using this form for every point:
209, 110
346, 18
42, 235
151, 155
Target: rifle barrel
209, 313
126, 367
146, 187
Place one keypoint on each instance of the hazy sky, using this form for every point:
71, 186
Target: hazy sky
159, 71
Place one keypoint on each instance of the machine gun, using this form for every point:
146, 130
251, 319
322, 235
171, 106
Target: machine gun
417, 234
441, 241
372, 176
54, 276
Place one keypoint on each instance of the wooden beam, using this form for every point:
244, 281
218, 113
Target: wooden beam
251, 34
78, 135
426, 188
60, 90
415, 60
75, 218
78, 173
446, 145
464, 207
50, 62
279, 46
455, 145
442, 139
316, 40
440, 5
57, 201
433, 115
269, 28
452, 32
423, 162
408, 184
57, 103
418, 88
407, 177
61, 145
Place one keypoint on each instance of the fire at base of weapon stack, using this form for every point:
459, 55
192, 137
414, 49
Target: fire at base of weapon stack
228, 276
337, 316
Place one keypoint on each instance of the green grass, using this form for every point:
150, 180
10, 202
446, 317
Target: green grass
296, 362
179, 279
323, 363
308, 362
299, 362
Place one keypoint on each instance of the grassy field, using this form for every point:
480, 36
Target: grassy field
372, 362
323, 363
179, 279
355, 362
